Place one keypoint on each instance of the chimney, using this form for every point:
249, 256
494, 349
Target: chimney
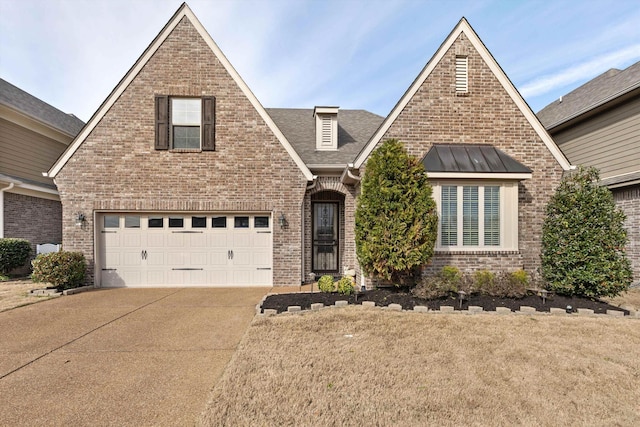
326, 128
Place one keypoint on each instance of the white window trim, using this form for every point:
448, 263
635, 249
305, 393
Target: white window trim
508, 215
173, 123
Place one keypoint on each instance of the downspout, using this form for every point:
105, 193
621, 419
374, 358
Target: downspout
2, 190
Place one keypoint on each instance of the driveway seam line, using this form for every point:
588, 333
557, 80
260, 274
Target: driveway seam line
87, 333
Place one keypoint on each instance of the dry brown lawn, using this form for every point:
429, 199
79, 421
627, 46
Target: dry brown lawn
358, 366
15, 293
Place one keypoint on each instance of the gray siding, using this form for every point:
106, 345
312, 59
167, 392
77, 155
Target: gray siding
609, 141
25, 153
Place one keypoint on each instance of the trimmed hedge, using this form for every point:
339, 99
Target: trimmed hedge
14, 253
64, 270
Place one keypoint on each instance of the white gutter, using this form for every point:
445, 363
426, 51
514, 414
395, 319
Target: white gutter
2, 190
313, 184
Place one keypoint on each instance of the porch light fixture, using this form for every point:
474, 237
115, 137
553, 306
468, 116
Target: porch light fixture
80, 219
282, 221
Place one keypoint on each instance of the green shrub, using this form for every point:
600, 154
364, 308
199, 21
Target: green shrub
583, 239
325, 284
345, 286
396, 218
519, 278
451, 274
14, 253
511, 285
449, 280
64, 270
484, 279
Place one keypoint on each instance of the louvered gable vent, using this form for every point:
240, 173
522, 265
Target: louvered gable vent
462, 74
326, 128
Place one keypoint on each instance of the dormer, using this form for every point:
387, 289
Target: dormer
326, 128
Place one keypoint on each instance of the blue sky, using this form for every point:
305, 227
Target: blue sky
350, 53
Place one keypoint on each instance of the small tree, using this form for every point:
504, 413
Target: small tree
396, 219
583, 239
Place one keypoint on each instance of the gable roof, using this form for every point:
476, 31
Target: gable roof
463, 27
355, 127
183, 11
608, 86
27, 104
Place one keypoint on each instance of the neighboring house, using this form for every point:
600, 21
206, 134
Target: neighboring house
183, 178
598, 124
33, 134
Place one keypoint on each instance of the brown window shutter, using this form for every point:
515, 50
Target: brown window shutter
162, 122
208, 123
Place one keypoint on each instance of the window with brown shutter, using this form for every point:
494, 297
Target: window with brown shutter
162, 122
185, 123
208, 123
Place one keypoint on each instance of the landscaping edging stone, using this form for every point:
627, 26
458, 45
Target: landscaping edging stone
524, 310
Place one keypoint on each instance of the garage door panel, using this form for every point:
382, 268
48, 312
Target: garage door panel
197, 259
218, 240
131, 258
196, 240
132, 240
217, 254
175, 240
218, 277
155, 239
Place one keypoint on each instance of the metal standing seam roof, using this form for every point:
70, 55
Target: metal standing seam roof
470, 158
28, 104
298, 125
593, 93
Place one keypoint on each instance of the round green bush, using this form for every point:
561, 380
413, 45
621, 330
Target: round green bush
14, 253
64, 270
325, 284
345, 286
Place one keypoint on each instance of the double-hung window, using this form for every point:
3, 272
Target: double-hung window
477, 216
186, 116
184, 123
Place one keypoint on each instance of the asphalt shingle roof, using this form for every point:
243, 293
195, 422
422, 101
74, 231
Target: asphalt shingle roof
355, 127
470, 158
591, 94
28, 104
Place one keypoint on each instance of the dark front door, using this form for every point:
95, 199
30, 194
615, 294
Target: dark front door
325, 237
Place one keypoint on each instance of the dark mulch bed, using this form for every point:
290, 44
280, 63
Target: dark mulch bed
384, 297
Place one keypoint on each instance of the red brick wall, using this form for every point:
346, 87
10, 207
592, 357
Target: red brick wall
628, 199
486, 115
32, 218
117, 168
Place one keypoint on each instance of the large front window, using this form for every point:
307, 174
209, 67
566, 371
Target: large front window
477, 217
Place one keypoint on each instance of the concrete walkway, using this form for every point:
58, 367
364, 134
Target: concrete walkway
119, 356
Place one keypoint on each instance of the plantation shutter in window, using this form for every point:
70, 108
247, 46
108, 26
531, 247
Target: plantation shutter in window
208, 123
470, 216
449, 221
162, 122
492, 216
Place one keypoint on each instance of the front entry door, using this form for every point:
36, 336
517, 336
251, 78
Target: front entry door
325, 237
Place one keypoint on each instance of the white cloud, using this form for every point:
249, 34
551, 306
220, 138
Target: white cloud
580, 72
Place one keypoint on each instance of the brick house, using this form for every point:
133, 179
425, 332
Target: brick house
598, 124
183, 178
33, 134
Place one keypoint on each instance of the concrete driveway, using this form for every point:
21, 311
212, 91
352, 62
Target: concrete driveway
119, 356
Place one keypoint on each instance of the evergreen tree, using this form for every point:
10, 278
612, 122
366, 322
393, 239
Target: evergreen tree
396, 218
583, 239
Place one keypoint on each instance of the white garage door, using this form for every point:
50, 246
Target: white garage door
185, 249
